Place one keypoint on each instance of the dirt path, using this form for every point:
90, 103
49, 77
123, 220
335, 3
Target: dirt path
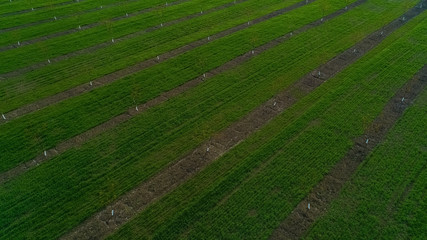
76, 29
129, 205
112, 77
296, 225
62, 17
85, 136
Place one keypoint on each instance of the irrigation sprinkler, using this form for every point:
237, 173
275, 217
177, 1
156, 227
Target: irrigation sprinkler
367, 141
3, 116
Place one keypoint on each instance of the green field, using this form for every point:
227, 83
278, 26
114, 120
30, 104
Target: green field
253, 185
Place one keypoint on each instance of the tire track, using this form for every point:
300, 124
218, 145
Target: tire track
63, 17
112, 77
82, 28
115, 121
296, 225
129, 205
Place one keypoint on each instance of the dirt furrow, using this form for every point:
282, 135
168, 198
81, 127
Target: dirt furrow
52, 19
77, 29
133, 202
296, 225
85, 136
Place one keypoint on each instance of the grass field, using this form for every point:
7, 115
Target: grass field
226, 61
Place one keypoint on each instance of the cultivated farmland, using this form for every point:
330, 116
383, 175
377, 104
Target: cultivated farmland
221, 119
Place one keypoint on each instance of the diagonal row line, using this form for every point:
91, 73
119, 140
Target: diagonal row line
129, 205
41, 7
330, 186
112, 77
81, 28
115, 121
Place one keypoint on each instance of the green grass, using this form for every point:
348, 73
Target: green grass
44, 129
58, 46
43, 202
19, 5
249, 192
65, 11
386, 197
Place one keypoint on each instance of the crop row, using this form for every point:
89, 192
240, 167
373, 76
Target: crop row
386, 197
247, 192
20, 5
44, 129
40, 16
102, 32
79, 182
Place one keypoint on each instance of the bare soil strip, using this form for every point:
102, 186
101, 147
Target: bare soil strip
38, 8
296, 225
112, 77
85, 136
129, 205
85, 27
65, 16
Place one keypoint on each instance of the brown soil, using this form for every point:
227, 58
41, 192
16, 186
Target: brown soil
130, 204
296, 225
83, 137
70, 31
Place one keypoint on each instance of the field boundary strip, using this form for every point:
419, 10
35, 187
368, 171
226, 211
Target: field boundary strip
133, 202
98, 8
115, 121
93, 48
86, 27
299, 221
117, 75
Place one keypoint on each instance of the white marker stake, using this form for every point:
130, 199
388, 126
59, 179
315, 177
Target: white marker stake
55, 18
204, 75
382, 32
80, 27
136, 108
209, 38
253, 51
291, 33
354, 50
90, 83
101, 6
403, 99
161, 24
45, 153
158, 58
19, 43
275, 103
3, 116
308, 206
207, 149
321, 19
166, 3
112, 212
201, 12
127, 15
318, 73
248, 23
48, 60
32, 9
112, 40
346, 7
367, 140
